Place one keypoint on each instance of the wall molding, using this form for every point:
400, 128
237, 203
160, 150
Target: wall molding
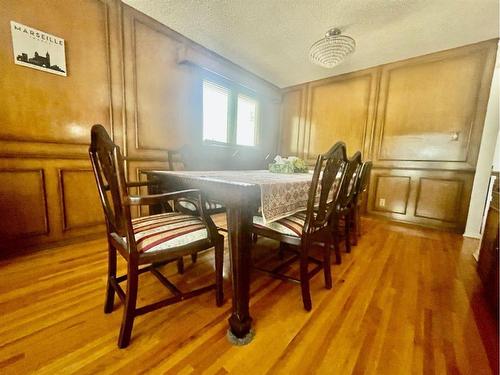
458, 198
42, 194
63, 204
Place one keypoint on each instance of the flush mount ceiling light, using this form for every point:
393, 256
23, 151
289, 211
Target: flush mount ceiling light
332, 49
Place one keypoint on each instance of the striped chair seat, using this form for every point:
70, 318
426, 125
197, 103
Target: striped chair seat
291, 225
164, 231
209, 205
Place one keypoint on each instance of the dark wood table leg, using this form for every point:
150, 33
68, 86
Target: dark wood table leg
239, 220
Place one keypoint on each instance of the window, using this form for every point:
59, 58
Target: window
215, 111
246, 121
230, 114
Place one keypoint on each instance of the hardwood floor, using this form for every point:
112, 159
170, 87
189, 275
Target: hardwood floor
405, 301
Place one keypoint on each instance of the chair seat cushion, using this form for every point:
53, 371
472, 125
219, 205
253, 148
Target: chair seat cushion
292, 225
165, 231
209, 205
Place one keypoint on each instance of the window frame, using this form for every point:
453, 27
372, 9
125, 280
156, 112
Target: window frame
234, 89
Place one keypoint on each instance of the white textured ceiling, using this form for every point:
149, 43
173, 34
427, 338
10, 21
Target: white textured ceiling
271, 38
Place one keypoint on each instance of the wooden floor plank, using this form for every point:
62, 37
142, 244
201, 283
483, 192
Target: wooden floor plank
407, 300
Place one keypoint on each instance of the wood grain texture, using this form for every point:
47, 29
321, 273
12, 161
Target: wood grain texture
434, 198
79, 198
341, 109
424, 130
166, 104
22, 188
50, 108
293, 122
122, 73
47, 200
409, 123
164, 98
438, 198
391, 193
395, 308
45, 119
434, 123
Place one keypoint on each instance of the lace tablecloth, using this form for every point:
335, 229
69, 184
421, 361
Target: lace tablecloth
281, 194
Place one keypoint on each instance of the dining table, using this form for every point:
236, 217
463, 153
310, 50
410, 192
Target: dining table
244, 194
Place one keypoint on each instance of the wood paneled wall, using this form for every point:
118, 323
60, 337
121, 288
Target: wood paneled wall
419, 120
133, 75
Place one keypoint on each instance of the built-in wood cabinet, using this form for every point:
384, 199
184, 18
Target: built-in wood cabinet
420, 121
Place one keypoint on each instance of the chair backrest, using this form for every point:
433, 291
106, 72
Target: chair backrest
107, 163
363, 177
348, 188
325, 187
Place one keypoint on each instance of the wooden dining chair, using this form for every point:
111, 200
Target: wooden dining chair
313, 225
176, 161
149, 241
362, 182
343, 210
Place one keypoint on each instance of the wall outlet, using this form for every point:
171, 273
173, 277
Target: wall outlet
381, 202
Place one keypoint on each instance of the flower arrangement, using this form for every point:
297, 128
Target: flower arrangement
292, 164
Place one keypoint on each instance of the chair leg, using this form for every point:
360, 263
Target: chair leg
304, 278
130, 301
354, 220
110, 291
358, 222
180, 265
327, 269
336, 242
219, 272
194, 257
347, 233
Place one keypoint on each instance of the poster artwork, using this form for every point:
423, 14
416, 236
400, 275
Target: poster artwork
38, 50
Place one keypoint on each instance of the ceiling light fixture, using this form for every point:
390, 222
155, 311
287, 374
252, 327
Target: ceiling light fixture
332, 49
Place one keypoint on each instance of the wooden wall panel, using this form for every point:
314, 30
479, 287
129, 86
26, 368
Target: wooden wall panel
293, 122
428, 197
423, 130
165, 104
391, 193
47, 200
420, 121
341, 108
79, 199
164, 72
42, 107
45, 121
23, 203
426, 122
124, 73
438, 199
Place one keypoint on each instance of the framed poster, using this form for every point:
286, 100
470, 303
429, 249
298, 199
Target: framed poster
38, 50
